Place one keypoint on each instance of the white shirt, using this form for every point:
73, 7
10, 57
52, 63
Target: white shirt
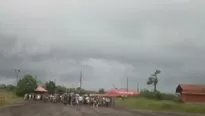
80, 98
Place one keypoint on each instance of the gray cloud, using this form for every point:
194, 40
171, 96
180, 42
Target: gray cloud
110, 40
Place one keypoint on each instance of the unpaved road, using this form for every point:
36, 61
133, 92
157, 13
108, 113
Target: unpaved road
48, 109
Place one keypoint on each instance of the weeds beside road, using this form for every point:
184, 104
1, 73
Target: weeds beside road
7, 98
163, 105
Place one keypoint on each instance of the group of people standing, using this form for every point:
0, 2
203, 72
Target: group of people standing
73, 99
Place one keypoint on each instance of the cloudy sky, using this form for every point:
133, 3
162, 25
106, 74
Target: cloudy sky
109, 39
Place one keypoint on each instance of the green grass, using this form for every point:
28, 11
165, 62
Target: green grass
144, 103
7, 98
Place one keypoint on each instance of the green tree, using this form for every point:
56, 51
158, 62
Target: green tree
51, 87
2, 86
10, 87
60, 89
153, 80
101, 90
26, 85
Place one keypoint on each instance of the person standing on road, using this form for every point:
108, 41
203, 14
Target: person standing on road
107, 102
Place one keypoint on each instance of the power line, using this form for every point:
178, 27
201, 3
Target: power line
127, 84
138, 87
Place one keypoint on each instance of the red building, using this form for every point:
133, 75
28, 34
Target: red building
122, 92
191, 92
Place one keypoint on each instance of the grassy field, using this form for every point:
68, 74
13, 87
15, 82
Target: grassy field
144, 103
7, 98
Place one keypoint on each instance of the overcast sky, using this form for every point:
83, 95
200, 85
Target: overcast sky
109, 39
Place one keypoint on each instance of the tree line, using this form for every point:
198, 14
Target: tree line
29, 83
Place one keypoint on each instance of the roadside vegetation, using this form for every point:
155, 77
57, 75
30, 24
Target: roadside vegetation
160, 101
27, 84
155, 100
7, 94
8, 97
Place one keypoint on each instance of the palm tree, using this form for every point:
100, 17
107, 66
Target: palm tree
153, 80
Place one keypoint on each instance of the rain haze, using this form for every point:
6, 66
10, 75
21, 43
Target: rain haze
111, 40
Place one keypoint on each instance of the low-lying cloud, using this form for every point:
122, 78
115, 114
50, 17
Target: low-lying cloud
109, 40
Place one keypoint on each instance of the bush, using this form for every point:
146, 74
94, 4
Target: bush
26, 85
164, 105
159, 96
7, 97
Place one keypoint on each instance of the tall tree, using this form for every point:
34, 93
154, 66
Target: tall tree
153, 80
26, 85
51, 86
60, 89
2, 86
101, 90
10, 87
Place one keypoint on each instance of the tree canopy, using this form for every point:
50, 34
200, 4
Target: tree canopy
26, 85
153, 80
60, 89
101, 90
51, 86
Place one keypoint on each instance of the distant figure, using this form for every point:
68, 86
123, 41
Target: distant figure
107, 102
38, 97
30, 96
80, 99
26, 96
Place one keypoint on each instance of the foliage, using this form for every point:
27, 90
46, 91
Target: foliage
50, 86
159, 96
26, 85
9, 87
153, 80
2, 86
144, 103
60, 89
101, 90
7, 97
81, 91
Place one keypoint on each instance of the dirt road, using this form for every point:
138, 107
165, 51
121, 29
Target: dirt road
48, 109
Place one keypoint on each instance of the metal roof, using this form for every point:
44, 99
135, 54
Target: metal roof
191, 88
40, 89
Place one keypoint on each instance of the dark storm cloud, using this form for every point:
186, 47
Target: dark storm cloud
109, 40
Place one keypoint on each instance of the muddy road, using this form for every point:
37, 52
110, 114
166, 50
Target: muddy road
48, 109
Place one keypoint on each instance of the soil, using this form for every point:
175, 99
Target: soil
38, 108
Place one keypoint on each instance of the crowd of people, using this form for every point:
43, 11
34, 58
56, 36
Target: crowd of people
72, 99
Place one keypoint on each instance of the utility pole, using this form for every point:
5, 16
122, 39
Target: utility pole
138, 87
127, 84
81, 79
17, 76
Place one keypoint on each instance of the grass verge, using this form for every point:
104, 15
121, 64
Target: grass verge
144, 103
7, 98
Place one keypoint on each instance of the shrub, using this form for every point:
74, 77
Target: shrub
159, 96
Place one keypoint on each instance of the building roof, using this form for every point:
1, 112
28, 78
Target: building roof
191, 89
40, 89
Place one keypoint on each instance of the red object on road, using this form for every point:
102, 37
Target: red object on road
122, 92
